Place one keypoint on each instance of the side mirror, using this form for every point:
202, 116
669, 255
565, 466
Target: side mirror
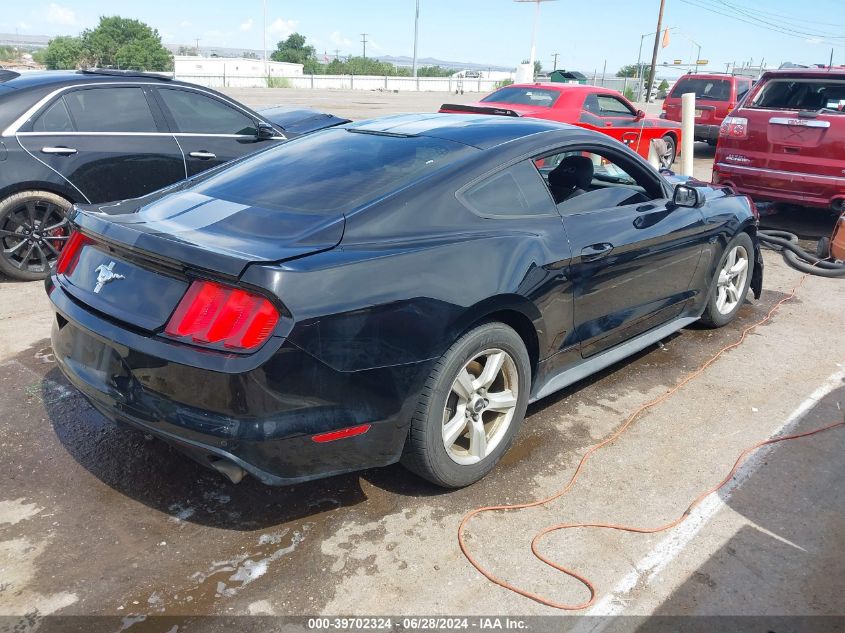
640, 115
265, 131
686, 196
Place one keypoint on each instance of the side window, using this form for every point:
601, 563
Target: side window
198, 114
611, 106
515, 191
54, 119
742, 88
110, 110
583, 181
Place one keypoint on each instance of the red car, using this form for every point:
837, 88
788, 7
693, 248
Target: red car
785, 142
590, 107
715, 96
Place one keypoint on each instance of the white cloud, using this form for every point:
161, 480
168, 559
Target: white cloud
185, 24
246, 26
57, 14
23, 26
282, 27
338, 39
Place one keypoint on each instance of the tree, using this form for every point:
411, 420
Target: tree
125, 43
664, 86
64, 53
433, 71
293, 50
627, 71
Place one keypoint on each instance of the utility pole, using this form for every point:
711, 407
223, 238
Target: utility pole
337, 54
654, 52
554, 56
416, 34
364, 42
197, 49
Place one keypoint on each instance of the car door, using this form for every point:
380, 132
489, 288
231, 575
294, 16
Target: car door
210, 131
634, 256
109, 142
609, 114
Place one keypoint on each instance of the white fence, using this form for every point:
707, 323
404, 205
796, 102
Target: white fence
345, 82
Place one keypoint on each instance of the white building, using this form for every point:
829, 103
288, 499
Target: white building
238, 72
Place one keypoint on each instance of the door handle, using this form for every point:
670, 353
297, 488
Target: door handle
596, 251
203, 155
61, 151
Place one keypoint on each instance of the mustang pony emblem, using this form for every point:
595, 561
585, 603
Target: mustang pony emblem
105, 274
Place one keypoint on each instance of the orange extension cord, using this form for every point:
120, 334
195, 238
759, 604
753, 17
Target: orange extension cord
613, 526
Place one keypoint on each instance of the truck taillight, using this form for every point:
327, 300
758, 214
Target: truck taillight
69, 255
735, 127
221, 316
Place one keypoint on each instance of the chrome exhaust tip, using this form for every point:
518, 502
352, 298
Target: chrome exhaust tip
230, 470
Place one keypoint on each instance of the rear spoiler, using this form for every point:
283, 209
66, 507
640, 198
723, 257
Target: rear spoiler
455, 107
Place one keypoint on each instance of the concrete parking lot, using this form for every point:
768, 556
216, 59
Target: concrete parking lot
96, 519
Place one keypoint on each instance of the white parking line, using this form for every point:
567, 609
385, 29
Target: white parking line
667, 550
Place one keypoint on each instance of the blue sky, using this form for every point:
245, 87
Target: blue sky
484, 31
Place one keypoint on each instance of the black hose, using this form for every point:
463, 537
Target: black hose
797, 257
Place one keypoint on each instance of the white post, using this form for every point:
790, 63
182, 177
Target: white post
687, 132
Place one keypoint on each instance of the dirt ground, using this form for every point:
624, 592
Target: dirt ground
98, 520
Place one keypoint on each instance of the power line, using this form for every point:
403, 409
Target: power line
751, 15
775, 29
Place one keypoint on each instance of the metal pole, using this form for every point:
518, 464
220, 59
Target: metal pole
364, 42
555, 55
687, 132
603, 72
533, 37
654, 51
266, 66
640, 68
416, 34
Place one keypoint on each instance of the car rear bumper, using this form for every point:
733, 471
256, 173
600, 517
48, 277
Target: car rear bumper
706, 132
261, 419
781, 186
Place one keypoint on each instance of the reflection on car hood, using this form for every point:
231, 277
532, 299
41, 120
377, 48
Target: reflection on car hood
296, 121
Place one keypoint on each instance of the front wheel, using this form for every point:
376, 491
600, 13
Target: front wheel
33, 230
667, 158
470, 408
733, 277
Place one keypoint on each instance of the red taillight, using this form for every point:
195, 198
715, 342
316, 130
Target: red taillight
69, 255
351, 431
214, 314
735, 127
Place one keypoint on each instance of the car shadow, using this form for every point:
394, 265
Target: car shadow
154, 473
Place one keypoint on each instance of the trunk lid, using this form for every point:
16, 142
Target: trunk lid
135, 268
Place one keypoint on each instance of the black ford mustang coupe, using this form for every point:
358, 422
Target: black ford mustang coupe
394, 289
99, 135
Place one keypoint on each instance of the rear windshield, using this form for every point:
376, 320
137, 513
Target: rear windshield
331, 171
704, 89
801, 94
524, 96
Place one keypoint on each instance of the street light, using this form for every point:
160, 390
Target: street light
416, 34
640, 61
534, 29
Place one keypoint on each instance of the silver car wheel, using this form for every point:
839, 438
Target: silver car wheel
480, 406
731, 280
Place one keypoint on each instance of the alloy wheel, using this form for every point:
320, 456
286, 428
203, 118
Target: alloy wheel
731, 280
480, 406
33, 234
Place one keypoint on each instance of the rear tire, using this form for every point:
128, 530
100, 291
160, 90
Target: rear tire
731, 282
33, 230
466, 417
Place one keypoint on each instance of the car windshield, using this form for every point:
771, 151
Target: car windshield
524, 96
331, 171
704, 89
801, 94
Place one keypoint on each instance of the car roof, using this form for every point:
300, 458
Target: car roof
481, 131
725, 76
58, 78
837, 72
559, 87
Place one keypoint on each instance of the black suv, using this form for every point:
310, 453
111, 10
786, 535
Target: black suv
102, 135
